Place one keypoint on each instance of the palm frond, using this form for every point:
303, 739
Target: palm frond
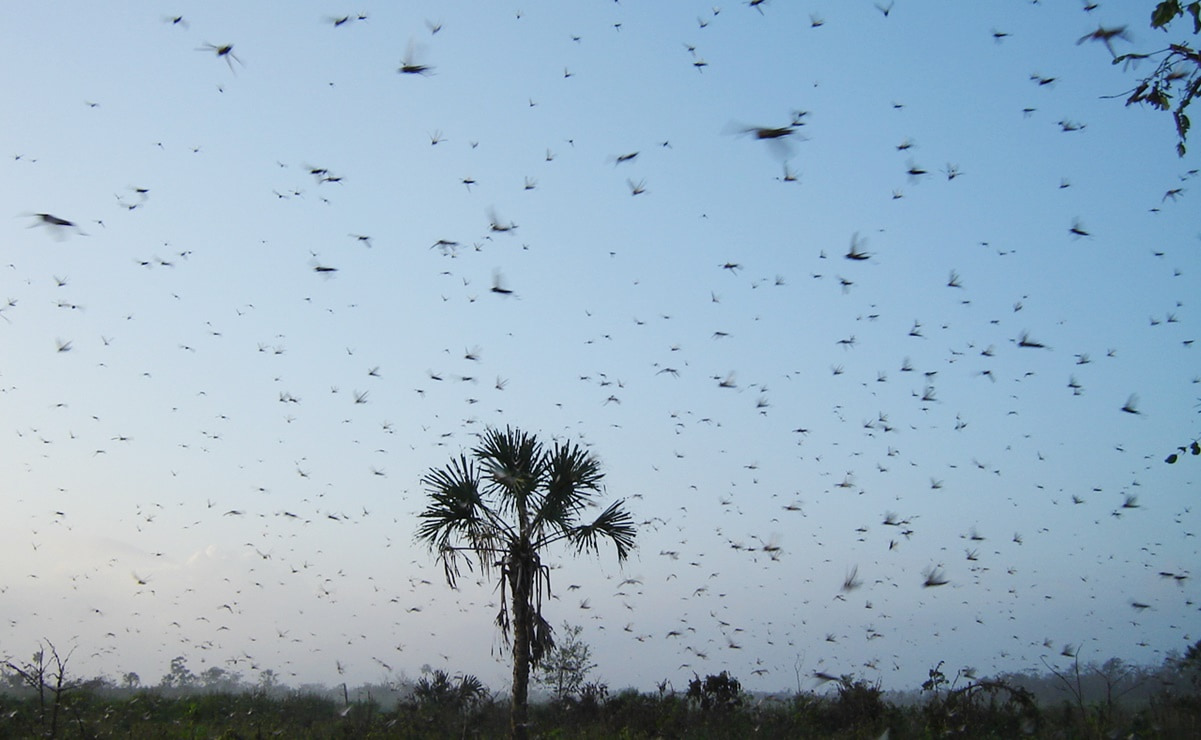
502, 614
522, 564
614, 523
511, 462
458, 520
571, 475
450, 557
454, 501
542, 639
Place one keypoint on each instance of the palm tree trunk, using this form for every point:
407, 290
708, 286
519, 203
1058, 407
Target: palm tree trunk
520, 584
521, 587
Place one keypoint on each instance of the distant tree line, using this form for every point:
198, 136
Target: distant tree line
40, 697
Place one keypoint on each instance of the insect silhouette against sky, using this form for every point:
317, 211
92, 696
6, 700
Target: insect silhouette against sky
410, 65
855, 251
224, 51
817, 386
780, 139
498, 284
57, 226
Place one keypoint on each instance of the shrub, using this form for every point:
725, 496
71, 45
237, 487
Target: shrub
721, 693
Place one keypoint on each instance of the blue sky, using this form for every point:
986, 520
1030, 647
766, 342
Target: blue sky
192, 475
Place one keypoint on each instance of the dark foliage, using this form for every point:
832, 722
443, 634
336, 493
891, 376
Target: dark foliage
443, 706
720, 693
1176, 81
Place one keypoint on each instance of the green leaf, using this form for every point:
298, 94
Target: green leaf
1165, 13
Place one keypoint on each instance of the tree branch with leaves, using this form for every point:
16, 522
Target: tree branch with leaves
1176, 81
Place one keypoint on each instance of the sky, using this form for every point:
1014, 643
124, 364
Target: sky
295, 278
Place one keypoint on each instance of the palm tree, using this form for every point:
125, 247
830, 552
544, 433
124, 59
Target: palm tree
502, 507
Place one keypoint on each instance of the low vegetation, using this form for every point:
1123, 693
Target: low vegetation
39, 698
